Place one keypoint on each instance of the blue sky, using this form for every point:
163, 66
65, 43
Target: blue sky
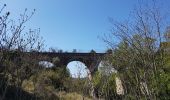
74, 24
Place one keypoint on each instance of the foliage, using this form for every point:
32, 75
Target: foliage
105, 86
92, 51
15, 65
138, 57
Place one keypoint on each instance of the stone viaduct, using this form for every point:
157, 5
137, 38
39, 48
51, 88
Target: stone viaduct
91, 60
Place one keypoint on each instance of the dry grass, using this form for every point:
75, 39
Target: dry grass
28, 86
71, 96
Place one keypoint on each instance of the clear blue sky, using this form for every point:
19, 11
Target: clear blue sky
74, 24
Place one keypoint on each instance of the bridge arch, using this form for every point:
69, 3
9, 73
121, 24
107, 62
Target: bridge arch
77, 69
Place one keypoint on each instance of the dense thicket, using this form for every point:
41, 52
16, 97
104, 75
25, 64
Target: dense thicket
140, 58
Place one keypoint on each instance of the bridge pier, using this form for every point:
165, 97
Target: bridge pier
93, 67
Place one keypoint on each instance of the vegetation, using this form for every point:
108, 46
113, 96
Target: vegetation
141, 63
136, 68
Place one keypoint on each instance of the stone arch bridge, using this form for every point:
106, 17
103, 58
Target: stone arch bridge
91, 60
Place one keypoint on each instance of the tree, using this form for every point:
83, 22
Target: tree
60, 51
109, 51
16, 65
105, 86
53, 49
74, 51
92, 51
138, 57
